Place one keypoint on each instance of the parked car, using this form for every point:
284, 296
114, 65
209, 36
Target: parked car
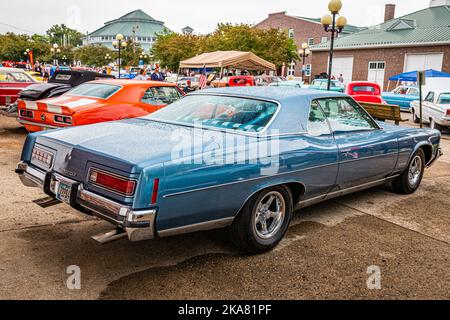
241, 81
321, 84
182, 82
436, 109
36, 76
402, 96
164, 174
265, 80
61, 82
363, 91
12, 81
97, 101
288, 83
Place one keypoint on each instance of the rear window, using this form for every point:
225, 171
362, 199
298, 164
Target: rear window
95, 90
366, 89
160, 96
444, 98
240, 114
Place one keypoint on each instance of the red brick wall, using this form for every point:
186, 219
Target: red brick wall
394, 58
303, 31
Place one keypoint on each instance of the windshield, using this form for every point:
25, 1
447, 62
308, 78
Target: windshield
444, 98
11, 76
240, 114
95, 90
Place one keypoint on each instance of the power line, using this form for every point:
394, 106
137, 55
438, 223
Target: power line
17, 28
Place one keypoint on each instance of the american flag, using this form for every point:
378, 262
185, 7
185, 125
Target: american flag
203, 79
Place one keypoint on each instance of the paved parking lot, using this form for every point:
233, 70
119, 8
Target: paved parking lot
326, 254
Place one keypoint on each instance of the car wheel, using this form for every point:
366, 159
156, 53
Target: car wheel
434, 125
263, 221
416, 119
410, 180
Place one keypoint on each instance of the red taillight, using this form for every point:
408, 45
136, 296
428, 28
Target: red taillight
448, 113
155, 191
26, 114
63, 119
112, 182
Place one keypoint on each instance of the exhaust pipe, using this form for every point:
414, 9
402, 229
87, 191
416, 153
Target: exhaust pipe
110, 236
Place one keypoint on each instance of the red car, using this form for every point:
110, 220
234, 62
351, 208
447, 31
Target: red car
241, 81
97, 101
365, 92
12, 81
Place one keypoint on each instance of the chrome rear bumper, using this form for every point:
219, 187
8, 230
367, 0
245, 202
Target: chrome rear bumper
139, 224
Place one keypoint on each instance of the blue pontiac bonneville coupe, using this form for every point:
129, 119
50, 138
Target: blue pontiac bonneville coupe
242, 158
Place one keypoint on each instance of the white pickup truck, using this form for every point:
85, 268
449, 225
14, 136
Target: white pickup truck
436, 109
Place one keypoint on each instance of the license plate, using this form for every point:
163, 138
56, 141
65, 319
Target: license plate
63, 193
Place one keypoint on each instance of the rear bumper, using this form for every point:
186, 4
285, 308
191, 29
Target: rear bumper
139, 224
37, 124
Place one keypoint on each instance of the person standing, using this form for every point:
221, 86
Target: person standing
157, 76
142, 75
341, 78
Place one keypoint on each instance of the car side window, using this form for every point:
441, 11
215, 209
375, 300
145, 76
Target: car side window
317, 122
345, 115
430, 97
160, 96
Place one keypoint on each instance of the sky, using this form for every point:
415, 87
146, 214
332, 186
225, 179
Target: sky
202, 15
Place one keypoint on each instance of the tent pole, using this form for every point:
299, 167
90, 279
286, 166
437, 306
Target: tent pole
178, 75
389, 84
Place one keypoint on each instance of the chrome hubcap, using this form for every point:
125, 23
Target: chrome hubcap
270, 214
415, 170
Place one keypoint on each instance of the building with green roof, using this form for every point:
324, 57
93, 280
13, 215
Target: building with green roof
135, 25
301, 30
416, 41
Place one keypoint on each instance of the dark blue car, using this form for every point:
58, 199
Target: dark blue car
242, 158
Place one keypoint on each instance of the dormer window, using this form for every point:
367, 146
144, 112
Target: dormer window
402, 24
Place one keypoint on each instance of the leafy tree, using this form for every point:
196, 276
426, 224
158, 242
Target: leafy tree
171, 48
273, 45
130, 54
13, 46
64, 36
92, 55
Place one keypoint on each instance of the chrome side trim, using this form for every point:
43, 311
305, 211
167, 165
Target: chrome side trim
343, 192
204, 226
247, 180
366, 158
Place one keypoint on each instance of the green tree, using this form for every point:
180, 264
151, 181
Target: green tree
92, 55
13, 46
273, 45
64, 36
171, 48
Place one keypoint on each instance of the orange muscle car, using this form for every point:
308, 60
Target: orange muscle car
97, 101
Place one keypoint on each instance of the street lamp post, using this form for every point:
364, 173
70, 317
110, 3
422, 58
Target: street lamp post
335, 26
55, 50
143, 57
119, 43
304, 52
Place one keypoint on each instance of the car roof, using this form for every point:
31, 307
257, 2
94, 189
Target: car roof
278, 94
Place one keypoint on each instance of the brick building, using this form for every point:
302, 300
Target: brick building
302, 30
417, 41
